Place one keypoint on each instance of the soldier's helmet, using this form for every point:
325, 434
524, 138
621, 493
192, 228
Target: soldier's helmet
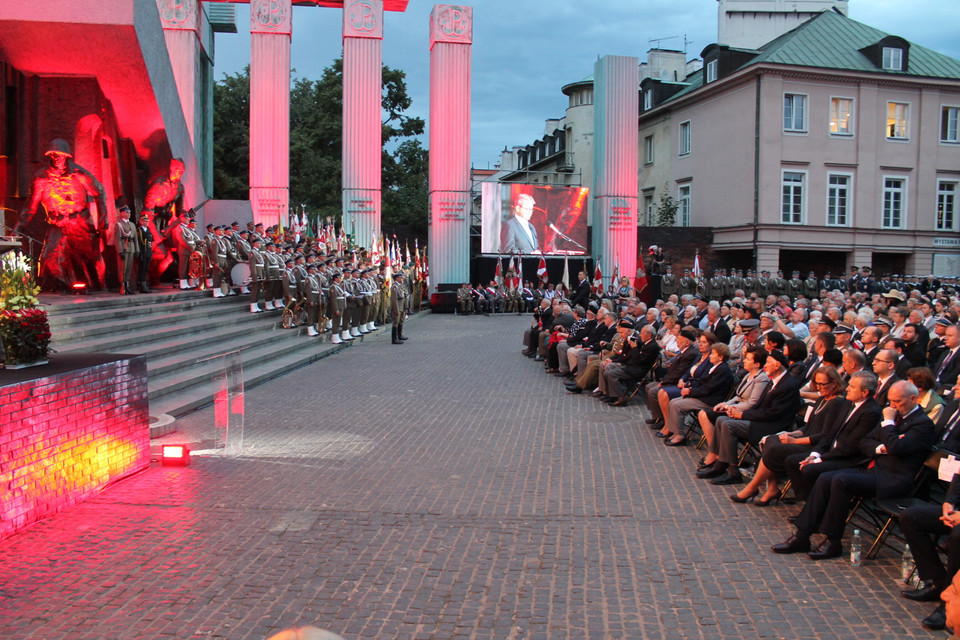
59, 146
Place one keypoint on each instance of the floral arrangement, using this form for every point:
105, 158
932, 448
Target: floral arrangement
18, 290
24, 329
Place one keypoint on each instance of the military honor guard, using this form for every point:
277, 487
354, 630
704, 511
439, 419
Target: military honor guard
126, 249
398, 306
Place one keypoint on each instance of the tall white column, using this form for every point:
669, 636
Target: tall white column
181, 30
615, 185
270, 31
362, 128
451, 38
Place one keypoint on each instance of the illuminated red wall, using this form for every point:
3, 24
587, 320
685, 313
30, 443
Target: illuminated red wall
65, 437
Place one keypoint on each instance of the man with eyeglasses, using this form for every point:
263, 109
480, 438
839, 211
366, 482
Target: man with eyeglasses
885, 366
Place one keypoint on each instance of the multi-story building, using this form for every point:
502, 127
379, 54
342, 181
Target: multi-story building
834, 144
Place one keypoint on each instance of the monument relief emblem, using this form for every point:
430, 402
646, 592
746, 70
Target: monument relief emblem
362, 16
176, 12
270, 14
453, 22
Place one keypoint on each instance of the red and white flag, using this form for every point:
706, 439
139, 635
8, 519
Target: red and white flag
598, 280
542, 270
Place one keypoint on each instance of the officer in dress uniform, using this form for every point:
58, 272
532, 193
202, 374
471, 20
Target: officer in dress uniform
866, 283
811, 286
398, 306
187, 241
242, 249
717, 286
795, 286
337, 306
217, 257
668, 283
779, 284
274, 288
289, 278
686, 285
126, 248
312, 297
750, 283
144, 252
258, 275
764, 284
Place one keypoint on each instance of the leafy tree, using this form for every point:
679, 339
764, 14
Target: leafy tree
316, 108
667, 210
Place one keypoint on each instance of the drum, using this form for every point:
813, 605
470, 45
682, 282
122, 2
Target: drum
240, 274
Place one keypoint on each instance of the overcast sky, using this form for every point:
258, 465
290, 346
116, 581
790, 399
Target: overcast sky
525, 50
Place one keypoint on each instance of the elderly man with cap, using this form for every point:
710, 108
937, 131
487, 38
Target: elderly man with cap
632, 364
126, 248
398, 305
775, 411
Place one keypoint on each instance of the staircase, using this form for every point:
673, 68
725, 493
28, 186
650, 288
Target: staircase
184, 335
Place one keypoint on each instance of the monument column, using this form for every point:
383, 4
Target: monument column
615, 184
270, 30
181, 30
362, 127
451, 36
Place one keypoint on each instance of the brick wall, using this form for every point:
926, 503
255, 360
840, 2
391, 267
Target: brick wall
65, 437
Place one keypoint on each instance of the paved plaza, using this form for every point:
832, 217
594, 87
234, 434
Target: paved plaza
446, 488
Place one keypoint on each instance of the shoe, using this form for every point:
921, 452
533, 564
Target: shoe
682, 442
701, 463
793, 544
736, 497
537, 358
728, 478
553, 370
828, 549
926, 591
793, 519
574, 389
598, 394
764, 503
621, 401
714, 470
652, 420
661, 434
936, 621
655, 425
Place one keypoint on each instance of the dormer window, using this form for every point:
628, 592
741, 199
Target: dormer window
893, 58
648, 99
711, 71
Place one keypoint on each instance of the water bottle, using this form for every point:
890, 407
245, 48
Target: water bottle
855, 549
906, 564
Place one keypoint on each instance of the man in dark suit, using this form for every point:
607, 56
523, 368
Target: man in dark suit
884, 366
840, 449
716, 325
518, 235
948, 366
632, 364
894, 452
581, 294
775, 411
688, 355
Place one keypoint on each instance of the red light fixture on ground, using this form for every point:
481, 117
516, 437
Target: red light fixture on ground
174, 455
79, 287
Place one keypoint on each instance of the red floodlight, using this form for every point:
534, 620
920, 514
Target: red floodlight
174, 455
79, 287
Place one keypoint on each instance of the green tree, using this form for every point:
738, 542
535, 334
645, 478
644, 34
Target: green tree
667, 210
316, 119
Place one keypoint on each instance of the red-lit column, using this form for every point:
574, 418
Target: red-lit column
616, 89
181, 30
362, 128
270, 30
451, 36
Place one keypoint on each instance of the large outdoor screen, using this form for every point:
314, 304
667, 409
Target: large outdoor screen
528, 219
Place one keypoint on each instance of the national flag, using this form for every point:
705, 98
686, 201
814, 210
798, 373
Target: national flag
520, 269
542, 270
426, 269
697, 271
598, 279
640, 282
615, 277
498, 276
417, 266
566, 271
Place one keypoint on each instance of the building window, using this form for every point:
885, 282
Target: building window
841, 116
894, 202
892, 59
898, 115
794, 112
949, 120
649, 210
946, 205
648, 150
685, 138
838, 199
683, 203
712, 71
791, 199
648, 99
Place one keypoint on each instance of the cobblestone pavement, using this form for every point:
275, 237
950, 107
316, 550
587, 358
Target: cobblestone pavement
446, 488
